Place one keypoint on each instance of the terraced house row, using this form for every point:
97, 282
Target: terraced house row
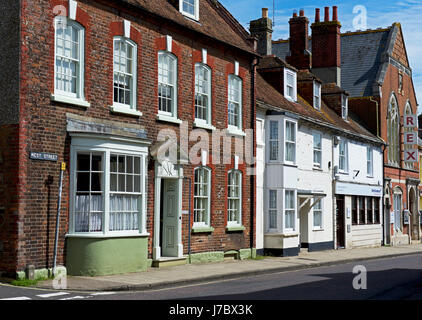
172, 135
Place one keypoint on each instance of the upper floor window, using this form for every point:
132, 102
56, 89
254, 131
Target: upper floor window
124, 70
69, 58
234, 210
203, 93
202, 192
317, 95
290, 142
317, 150
190, 8
290, 87
235, 102
343, 156
393, 132
273, 140
369, 162
167, 84
344, 106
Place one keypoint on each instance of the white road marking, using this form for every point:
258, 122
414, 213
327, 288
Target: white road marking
55, 294
17, 298
76, 297
102, 293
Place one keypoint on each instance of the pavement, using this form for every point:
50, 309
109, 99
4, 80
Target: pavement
158, 278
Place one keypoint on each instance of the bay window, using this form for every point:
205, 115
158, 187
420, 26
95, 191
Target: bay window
289, 210
202, 193
234, 198
107, 190
273, 141
290, 142
272, 209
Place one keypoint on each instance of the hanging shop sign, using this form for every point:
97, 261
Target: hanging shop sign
411, 155
43, 156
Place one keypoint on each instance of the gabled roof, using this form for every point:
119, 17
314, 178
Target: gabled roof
364, 58
214, 20
269, 98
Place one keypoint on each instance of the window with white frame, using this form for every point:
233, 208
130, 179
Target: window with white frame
203, 93
290, 86
272, 209
290, 142
108, 192
369, 162
317, 150
125, 192
190, 8
124, 70
317, 95
202, 191
317, 211
343, 156
234, 211
167, 84
273, 141
393, 132
289, 210
69, 58
235, 102
344, 106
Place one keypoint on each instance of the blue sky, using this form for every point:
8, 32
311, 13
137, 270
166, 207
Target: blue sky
379, 14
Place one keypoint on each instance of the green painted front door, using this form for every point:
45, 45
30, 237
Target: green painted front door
170, 219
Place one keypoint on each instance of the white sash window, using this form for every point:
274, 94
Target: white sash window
234, 211
202, 192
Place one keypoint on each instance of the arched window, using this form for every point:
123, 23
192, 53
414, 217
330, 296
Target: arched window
203, 93
69, 54
124, 73
234, 213
397, 208
202, 192
408, 111
167, 83
393, 132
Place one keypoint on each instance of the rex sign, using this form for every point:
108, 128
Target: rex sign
410, 138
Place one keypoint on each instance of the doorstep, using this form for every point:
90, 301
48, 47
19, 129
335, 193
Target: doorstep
169, 262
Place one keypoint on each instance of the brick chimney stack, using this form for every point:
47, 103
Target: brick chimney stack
262, 29
326, 50
299, 57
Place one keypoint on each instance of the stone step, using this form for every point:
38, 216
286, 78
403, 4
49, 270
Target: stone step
169, 262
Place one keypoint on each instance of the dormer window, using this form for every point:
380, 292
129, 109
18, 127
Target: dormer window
190, 8
290, 87
317, 95
344, 106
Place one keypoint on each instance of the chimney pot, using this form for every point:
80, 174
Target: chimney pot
335, 13
302, 12
317, 15
265, 12
294, 13
327, 14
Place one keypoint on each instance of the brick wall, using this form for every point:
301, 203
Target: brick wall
44, 122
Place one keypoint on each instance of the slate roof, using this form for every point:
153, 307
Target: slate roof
362, 58
268, 97
215, 20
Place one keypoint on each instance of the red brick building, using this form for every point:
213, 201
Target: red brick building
94, 84
374, 68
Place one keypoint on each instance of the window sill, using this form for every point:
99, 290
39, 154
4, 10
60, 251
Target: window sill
317, 169
202, 229
317, 229
235, 228
235, 131
108, 235
70, 100
287, 234
126, 110
204, 126
166, 118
